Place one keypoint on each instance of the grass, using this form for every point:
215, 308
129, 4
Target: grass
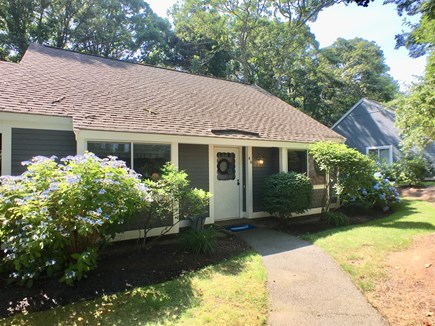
428, 183
362, 250
232, 292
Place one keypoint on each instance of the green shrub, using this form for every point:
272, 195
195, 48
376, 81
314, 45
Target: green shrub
55, 217
193, 206
336, 218
348, 170
411, 170
171, 192
200, 241
287, 193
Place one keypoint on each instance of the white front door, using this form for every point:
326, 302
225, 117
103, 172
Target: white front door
227, 183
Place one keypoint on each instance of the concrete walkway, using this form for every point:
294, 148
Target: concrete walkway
306, 286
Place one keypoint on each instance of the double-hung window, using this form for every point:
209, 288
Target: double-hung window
382, 154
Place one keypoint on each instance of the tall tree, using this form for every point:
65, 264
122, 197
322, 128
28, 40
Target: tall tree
126, 29
415, 111
353, 69
419, 40
16, 18
234, 25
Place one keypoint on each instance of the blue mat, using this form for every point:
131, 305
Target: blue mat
239, 228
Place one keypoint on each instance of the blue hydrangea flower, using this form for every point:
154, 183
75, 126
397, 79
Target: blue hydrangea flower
364, 192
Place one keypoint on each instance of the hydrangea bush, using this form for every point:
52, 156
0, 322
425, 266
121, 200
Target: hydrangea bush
382, 194
55, 217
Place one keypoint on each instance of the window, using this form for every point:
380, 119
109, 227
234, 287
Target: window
297, 161
383, 154
226, 166
121, 150
146, 159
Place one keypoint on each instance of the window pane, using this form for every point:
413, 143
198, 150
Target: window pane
384, 155
121, 150
226, 166
317, 177
297, 161
149, 159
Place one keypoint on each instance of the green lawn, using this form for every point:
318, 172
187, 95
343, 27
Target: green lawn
428, 183
362, 250
232, 293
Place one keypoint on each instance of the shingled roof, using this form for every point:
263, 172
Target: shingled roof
112, 95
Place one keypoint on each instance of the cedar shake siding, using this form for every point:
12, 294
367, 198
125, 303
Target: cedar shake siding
28, 143
318, 198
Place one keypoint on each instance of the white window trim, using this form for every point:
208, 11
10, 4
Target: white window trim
389, 147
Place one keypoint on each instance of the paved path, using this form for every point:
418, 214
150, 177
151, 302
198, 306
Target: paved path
306, 286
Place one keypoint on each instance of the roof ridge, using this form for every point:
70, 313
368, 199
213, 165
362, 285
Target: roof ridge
138, 63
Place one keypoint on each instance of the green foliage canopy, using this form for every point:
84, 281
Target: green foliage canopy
121, 29
347, 170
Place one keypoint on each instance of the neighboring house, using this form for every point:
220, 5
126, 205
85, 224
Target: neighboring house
370, 128
228, 136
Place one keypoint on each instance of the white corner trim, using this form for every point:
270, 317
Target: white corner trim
249, 183
283, 159
211, 182
347, 113
6, 153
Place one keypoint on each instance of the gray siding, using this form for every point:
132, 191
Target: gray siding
370, 124
261, 173
194, 160
139, 222
28, 143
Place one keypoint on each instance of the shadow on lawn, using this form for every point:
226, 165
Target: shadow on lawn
395, 220
159, 304
230, 267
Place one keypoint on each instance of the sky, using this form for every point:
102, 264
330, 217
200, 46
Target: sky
378, 22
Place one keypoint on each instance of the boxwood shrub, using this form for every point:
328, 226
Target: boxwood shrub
287, 193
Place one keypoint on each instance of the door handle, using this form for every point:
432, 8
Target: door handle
238, 182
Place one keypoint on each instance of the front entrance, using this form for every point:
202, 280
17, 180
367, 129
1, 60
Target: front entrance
227, 183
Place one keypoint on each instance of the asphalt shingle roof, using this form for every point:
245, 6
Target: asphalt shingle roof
112, 95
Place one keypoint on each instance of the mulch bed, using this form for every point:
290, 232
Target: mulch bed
315, 223
122, 266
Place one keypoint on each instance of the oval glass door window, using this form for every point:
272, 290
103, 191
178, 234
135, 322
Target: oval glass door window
226, 166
